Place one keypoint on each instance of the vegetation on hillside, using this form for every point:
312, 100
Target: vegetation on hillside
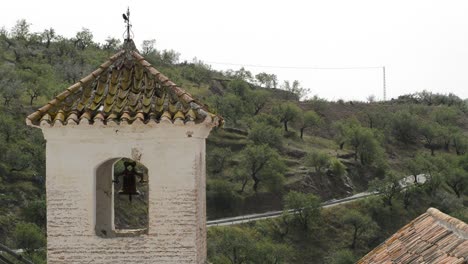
275, 152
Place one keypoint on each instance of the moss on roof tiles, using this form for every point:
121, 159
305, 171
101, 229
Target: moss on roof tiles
124, 88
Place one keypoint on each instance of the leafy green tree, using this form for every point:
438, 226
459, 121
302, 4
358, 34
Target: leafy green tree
239, 87
170, 57
377, 118
49, 35
37, 80
8, 128
295, 88
267, 119
409, 193
112, 44
266, 80
197, 72
21, 30
262, 79
262, 164
363, 142
243, 74
371, 99
361, 225
342, 130
369, 148
447, 135
460, 143
432, 134
20, 51
35, 212
447, 120
272, 253
286, 112
388, 187
7, 225
72, 71
37, 257
453, 170
258, 99
221, 198
262, 133
230, 107
83, 39
306, 207
319, 160
16, 160
11, 87
241, 175
64, 47
344, 256
28, 236
230, 245
277, 228
445, 115
147, 47
218, 158
457, 180
307, 120
435, 168
235, 245
405, 126
463, 162
11, 92
416, 166
337, 167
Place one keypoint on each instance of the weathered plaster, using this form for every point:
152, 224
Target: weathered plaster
175, 158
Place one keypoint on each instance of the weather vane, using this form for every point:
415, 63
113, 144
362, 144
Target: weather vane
126, 18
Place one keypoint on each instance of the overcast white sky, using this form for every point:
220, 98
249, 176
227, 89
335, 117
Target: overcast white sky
422, 43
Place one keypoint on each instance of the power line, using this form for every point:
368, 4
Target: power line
296, 67
312, 68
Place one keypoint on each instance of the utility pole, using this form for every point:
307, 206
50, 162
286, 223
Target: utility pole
384, 85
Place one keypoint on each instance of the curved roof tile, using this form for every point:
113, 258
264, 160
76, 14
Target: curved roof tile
433, 237
126, 88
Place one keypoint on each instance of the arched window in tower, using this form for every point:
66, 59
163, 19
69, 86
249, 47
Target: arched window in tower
121, 198
130, 195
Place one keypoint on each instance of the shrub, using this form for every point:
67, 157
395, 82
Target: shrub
28, 236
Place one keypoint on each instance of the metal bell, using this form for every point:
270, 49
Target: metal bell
129, 180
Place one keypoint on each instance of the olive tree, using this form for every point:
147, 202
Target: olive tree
306, 206
308, 119
287, 112
319, 160
389, 187
260, 163
361, 225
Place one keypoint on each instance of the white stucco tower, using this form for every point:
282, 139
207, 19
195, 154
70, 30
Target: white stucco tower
125, 109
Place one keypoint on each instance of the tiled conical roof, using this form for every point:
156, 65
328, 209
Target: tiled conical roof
126, 89
433, 237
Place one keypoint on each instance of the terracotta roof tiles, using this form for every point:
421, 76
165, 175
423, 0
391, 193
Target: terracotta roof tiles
433, 237
126, 89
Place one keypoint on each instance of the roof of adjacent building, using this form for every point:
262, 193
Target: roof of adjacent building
126, 89
433, 237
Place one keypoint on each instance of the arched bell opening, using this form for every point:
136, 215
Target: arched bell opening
121, 198
131, 195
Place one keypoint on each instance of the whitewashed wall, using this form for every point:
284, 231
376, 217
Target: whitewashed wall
175, 158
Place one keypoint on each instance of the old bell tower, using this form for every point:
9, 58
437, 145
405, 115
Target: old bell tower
125, 109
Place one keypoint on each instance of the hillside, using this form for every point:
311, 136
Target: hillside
275, 152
